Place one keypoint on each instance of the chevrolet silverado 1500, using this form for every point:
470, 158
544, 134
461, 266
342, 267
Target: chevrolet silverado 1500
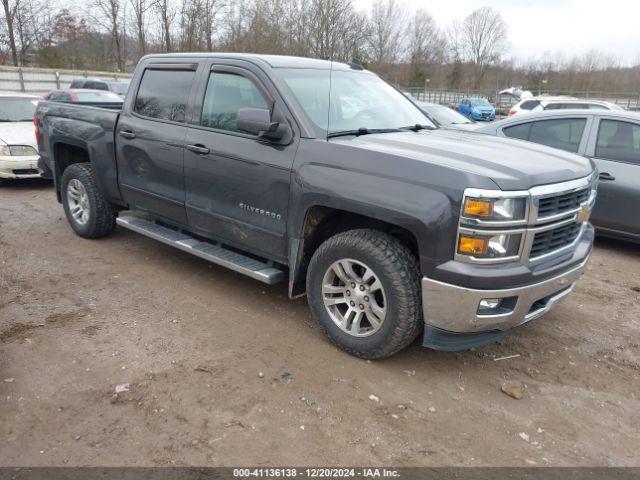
323, 175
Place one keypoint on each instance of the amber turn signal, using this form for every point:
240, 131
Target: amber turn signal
477, 207
472, 246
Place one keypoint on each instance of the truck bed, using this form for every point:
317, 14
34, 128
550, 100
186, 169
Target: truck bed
89, 128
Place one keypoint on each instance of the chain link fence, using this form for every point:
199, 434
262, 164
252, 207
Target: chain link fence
502, 103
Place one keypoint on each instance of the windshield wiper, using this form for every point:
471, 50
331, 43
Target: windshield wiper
417, 127
361, 131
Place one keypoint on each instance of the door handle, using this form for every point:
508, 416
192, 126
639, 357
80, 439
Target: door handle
127, 134
606, 176
199, 149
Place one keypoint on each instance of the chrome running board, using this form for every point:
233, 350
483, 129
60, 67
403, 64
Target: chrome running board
213, 252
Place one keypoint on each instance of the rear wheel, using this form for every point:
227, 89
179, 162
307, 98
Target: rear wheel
88, 213
363, 289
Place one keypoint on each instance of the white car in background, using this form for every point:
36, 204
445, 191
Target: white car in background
18, 147
538, 104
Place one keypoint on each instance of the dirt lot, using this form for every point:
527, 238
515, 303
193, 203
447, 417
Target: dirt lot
78, 317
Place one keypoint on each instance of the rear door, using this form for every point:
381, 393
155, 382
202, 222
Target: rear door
614, 145
237, 185
150, 140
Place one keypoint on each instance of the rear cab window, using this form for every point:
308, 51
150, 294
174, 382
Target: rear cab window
96, 85
163, 94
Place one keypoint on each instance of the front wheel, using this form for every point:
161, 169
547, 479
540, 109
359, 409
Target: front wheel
88, 213
364, 291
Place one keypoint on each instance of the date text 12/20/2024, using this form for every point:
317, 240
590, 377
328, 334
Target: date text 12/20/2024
316, 473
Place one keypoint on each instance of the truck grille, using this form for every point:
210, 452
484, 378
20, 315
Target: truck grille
549, 206
550, 240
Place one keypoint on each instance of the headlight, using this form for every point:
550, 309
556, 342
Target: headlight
495, 210
22, 150
500, 245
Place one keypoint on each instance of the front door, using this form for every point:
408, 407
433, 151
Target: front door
616, 152
237, 185
150, 142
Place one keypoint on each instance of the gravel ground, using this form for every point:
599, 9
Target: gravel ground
226, 371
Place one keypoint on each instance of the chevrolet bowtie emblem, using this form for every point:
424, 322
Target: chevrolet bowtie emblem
583, 214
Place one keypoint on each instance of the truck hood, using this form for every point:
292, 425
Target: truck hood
511, 164
18, 133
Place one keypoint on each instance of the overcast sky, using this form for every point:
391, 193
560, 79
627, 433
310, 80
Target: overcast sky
538, 26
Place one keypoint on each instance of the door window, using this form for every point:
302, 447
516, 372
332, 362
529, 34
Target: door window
566, 106
163, 94
564, 133
529, 104
520, 131
618, 141
226, 94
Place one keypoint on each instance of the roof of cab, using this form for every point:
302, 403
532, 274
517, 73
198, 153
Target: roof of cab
273, 61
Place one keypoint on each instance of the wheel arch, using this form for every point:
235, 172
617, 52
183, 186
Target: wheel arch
66, 153
322, 222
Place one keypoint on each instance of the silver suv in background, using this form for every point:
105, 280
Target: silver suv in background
611, 138
539, 104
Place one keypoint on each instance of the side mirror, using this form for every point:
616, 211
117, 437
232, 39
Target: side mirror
257, 121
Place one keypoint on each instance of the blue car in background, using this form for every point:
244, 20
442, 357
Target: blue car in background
477, 108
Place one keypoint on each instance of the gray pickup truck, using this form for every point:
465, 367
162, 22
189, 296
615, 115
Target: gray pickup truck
324, 175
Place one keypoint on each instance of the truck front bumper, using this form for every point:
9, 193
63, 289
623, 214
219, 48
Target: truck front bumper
19, 167
458, 318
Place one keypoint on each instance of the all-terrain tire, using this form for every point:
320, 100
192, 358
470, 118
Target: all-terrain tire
101, 215
397, 269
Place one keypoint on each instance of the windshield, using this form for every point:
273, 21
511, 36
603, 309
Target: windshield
119, 88
359, 100
445, 116
480, 102
17, 109
98, 97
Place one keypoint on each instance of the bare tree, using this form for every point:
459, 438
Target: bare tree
336, 30
481, 38
69, 37
108, 14
10, 12
387, 22
166, 12
140, 8
189, 25
426, 45
210, 12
